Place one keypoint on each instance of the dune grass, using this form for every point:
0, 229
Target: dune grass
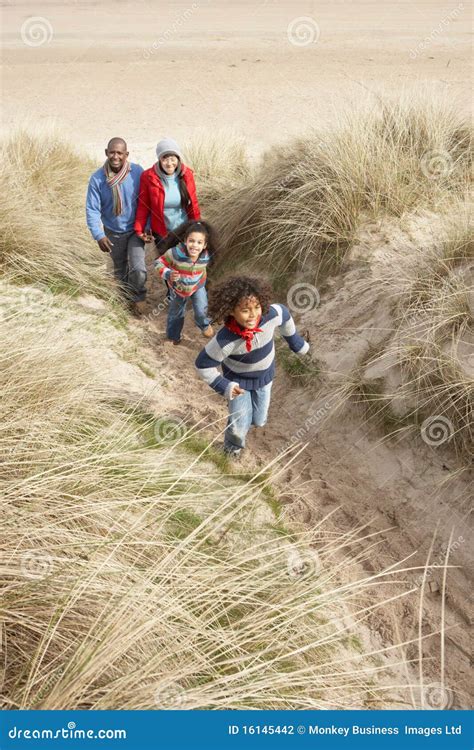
422, 374
44, 239
220, 162
308, 197
136, 574
137, 571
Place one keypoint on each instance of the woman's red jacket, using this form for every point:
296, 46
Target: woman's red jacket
151, 199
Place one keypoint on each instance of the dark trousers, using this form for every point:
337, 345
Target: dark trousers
128, 257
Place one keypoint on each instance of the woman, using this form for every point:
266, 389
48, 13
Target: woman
167, 194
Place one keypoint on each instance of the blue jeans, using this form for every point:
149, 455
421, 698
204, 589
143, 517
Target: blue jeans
250, 408
177, 309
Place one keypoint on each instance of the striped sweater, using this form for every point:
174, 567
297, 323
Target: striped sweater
253, 369
192, 275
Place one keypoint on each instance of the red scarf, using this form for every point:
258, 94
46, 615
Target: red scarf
245, 333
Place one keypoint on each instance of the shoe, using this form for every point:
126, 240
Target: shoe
175, 343
137, 308
208, 332
233, 454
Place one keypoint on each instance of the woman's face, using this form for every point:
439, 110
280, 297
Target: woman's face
248, 312
169, 163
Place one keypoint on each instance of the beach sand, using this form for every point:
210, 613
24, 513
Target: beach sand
265, 70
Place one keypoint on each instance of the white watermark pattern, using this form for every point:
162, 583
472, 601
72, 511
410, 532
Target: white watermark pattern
437, 430
170, 32
35, 298
303, 31
36, 564
436, 165
169, 429
303, 563
170, 697
443, 24
35, 31
437, 697
439, 560
302, 297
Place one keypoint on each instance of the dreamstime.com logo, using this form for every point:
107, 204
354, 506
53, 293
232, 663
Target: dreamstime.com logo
439, 29
71, 732
311, 421
35, 298
439, 560
170, 32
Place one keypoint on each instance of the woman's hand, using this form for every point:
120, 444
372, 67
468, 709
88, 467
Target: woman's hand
146, 236
236, 391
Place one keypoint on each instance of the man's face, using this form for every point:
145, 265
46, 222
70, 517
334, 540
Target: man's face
116, 156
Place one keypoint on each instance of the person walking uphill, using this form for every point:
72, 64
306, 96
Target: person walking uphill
167, 194
184, 268
244, 348
111, 203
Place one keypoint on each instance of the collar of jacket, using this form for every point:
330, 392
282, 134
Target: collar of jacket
156, 180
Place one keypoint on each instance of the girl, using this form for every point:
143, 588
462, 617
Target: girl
244, 348
184, 268
167, 194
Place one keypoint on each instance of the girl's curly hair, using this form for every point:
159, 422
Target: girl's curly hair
226, 295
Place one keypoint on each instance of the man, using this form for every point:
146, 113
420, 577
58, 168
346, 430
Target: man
110, 212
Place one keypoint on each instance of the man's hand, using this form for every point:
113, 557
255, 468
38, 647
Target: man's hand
174, 276
146, 236
105, 245
236, 391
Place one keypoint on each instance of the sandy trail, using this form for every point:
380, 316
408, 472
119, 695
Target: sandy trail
399, 491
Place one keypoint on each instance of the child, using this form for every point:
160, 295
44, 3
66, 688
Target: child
184, 268
245, 349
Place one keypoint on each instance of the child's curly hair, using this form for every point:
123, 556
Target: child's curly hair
226, 295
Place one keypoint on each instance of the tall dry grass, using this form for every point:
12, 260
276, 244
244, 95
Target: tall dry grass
308, 197
135, 575
220, 162
44, 238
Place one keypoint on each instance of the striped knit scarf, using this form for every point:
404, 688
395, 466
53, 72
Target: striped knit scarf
114, 180
245, 333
